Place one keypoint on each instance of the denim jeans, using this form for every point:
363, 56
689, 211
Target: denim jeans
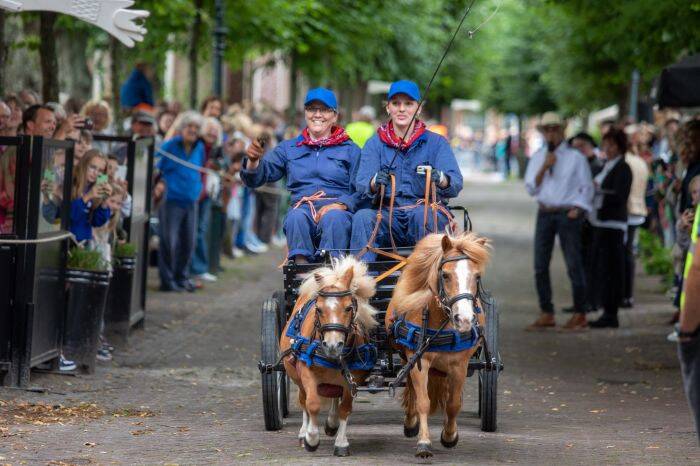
176, 229
549, 225
200, 258
689, 355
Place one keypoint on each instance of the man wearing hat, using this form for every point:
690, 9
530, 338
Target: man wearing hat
559, 178
404, 148
320, 166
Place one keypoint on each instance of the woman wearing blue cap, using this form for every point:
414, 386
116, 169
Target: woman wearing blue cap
420, 152
320, 165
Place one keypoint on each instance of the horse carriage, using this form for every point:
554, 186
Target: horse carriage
391, 366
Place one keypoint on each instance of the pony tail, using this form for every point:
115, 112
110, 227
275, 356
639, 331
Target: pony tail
438, 393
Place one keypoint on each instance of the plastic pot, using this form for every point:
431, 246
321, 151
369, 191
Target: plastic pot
118, 310
87, 297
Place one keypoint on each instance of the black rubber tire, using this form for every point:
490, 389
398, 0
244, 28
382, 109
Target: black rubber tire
272, 385
278, 296
488, 380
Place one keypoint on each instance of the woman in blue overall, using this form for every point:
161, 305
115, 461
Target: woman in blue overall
421, 152
320, 165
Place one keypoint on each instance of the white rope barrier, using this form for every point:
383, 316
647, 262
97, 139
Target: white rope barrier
48, 239
209, 171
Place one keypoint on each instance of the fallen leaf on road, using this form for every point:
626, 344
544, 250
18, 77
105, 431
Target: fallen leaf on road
653, 447
569, 445
89, 444
142, 431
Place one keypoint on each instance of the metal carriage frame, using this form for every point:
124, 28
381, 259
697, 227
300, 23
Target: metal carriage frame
277, 309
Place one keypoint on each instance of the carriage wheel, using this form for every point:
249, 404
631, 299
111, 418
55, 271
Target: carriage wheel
272, 384
488, 379
282, 319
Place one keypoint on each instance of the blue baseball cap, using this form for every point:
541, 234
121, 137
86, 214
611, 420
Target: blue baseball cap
323, 95
404, 87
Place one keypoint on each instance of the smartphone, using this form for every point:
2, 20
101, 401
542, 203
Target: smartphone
102, 179
49, 175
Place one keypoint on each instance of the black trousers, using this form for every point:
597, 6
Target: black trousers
629, 262
689, 355
609, 267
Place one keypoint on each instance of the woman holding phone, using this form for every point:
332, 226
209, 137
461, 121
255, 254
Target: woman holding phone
320, 166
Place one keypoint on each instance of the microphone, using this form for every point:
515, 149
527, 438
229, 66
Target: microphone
551, 147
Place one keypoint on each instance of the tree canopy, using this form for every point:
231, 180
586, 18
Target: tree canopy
533, 55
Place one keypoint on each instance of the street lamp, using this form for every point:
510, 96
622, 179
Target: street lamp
219, 34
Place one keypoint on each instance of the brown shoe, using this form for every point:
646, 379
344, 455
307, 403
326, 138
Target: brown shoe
545, 320
576, 323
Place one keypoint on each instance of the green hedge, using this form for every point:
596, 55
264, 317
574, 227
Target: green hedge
656, 259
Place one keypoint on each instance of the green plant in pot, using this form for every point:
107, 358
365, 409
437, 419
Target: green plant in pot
86, 259
123, 253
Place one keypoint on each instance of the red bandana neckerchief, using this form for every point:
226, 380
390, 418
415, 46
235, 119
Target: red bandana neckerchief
389, 137
338, 136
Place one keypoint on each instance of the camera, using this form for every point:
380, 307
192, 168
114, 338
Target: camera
87, 124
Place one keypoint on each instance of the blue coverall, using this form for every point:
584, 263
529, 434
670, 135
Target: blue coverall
310, 169
407, 227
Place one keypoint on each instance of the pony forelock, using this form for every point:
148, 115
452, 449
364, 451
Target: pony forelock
362, 285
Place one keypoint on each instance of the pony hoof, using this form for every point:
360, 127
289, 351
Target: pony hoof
411, 431
301, 442
341, 451
309, 447
330, 431
423, 451
450, 444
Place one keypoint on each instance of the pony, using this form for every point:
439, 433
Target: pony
438, 291
328, 346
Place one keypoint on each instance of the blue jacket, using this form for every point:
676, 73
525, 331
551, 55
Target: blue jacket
308, 170
136, 90
183, 183
82, 220
429, 149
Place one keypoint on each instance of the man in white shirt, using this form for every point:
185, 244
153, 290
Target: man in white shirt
559, 178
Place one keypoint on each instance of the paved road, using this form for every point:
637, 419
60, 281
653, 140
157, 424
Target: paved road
186, 391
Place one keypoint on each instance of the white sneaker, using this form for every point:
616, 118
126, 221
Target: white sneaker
672, 337
207, 277
65, 365
237, 253
279, 241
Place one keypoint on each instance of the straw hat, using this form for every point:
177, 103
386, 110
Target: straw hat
551, 119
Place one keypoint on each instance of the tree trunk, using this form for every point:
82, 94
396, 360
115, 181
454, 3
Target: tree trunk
3, 52
115, 63
293, 89
194, 42
47, 54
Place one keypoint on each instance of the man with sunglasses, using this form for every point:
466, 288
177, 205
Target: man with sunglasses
320, 166
559, 178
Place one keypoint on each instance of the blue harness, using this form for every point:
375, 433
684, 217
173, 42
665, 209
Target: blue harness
408, 334
306, 350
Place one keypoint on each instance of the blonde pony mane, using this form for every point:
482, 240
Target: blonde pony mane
362, 286
417, 284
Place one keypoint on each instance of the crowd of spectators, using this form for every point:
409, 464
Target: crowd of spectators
202, 211
639, 177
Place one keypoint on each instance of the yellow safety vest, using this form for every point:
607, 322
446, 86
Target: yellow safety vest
689, 256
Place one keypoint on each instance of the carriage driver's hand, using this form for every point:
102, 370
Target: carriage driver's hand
254, 153
439, 178
382, 178
327, 208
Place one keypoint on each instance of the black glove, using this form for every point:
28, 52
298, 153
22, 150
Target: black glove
436, 176
382, 178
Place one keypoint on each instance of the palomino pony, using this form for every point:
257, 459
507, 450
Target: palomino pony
327, 345
438, 292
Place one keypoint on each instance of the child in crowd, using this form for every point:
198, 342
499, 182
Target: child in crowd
105, 237
117, 175
233, 196
90, 192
